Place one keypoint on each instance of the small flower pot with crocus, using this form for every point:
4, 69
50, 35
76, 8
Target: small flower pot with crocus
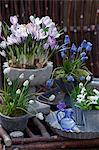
87, 99
29, 47
73, 69
14, 112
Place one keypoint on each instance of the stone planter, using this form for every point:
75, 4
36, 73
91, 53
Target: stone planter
91, 120
40, 75
14, 123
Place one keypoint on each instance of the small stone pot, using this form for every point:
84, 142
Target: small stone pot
91, 120
14, 123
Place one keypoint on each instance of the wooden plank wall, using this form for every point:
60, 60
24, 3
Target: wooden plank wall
79, 18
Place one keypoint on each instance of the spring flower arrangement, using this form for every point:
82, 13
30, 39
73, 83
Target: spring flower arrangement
85, 97
15, 96
28, 45
73, 61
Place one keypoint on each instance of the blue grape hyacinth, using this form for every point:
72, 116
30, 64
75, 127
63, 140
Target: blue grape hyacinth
70, 78
49, 83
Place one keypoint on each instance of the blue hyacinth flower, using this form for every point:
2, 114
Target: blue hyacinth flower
83, 54
88, 47
73, 48
50, 83
67, 40
84, 58
70, 78
79, 49
84, 44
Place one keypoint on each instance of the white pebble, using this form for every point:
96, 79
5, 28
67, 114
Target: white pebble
52, 97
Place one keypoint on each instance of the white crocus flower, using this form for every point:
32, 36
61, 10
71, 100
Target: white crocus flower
40, 116
9, 83
5, 65
21, 76
26, 83
96, 91
81, 85
88, 78
3, 44
31, 77
3, 53
6, 70
18, 91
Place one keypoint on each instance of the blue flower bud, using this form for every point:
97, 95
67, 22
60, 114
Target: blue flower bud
82, 78
83, 44
50, 83
70, 78
63, 54
73, 48
67, 39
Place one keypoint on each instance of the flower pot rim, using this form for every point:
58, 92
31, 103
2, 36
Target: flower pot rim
49, 63
11, 118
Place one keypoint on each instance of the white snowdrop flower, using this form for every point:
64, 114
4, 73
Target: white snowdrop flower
52, 97
26, 83
6, 70
21, 76
83, 90
40, 116
3, 44
18, 91
31, 77
9, 83
88, 78
5, 65
31, 102
96, 91
3, 53
81, 85
8, 80
10, 61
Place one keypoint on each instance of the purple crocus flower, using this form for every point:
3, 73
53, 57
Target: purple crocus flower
61, 105
88, 47
14, 20
70, 78
46, 46
82, 78
67, 40
74, 48
83, 44
50, 83
52, 42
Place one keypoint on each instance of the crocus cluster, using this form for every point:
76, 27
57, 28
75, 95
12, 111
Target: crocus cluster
23, 42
